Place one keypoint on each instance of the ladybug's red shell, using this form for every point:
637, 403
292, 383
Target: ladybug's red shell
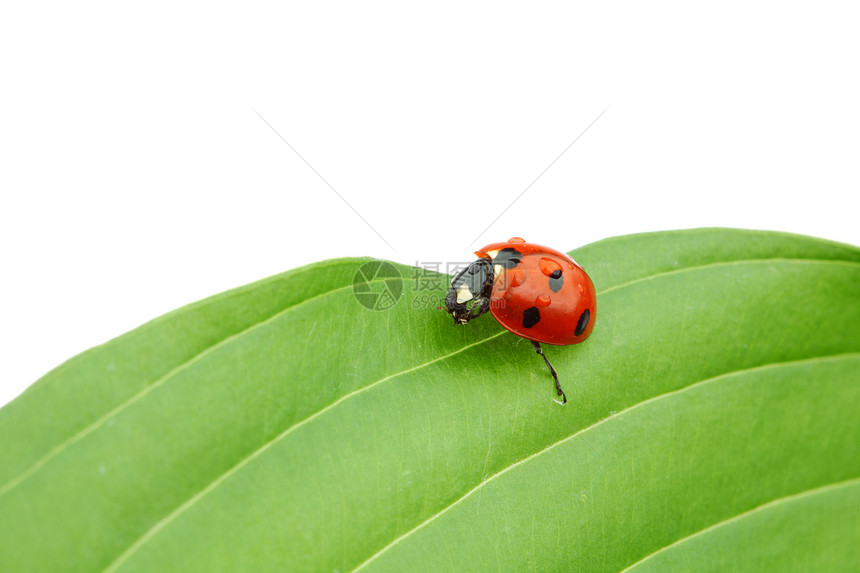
539, 293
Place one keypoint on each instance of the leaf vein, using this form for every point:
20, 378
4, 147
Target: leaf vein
268, 445
728, 521
618, 415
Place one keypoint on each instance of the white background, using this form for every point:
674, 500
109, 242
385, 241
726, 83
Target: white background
136, 175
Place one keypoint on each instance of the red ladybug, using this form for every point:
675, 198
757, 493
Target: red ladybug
533, 291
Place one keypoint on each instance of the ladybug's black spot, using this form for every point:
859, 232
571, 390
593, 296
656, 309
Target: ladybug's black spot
556, 280
508, 258
583, 322
531, 316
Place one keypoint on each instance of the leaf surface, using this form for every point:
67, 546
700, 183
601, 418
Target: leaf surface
284, 426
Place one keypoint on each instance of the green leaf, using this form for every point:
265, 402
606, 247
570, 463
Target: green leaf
711, 425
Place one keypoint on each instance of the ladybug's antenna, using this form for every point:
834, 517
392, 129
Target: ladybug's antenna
536, 344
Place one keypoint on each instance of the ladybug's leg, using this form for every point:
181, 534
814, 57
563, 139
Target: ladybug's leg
536, 344
480, 305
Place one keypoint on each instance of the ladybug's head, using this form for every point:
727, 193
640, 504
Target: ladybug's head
469, 295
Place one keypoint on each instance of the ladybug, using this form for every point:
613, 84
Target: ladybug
533, 291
